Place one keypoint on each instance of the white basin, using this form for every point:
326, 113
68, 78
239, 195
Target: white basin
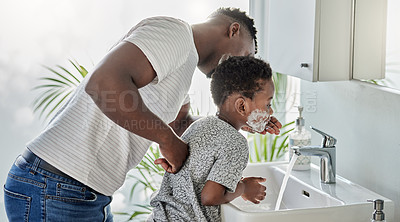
305, 198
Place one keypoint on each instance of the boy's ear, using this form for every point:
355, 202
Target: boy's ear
234, 29
241, 106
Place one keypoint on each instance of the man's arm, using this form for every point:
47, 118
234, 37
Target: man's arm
249, 188
114, 86
183, 120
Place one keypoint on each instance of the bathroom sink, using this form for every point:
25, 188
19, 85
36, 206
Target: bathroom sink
305, 198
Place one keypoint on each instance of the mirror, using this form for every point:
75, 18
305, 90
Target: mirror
285, 59
392, 79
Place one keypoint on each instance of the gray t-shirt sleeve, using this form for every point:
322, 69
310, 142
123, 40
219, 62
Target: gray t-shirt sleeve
228, 167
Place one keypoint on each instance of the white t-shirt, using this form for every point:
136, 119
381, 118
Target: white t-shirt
85, 144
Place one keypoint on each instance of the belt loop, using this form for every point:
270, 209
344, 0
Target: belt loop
35, 166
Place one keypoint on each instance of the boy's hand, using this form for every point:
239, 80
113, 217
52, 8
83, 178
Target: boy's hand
254, 191
273, 127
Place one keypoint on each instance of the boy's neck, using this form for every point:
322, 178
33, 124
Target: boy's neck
229, 118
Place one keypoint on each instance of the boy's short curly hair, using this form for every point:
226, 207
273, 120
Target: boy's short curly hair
242, 18
239, 74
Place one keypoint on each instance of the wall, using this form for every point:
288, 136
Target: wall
366, 121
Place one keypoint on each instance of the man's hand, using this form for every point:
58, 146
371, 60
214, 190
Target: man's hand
254, 191
175, 154
273, 127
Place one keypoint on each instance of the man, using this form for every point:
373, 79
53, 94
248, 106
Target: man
74, 166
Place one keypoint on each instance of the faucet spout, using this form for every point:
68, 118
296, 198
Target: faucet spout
328, 160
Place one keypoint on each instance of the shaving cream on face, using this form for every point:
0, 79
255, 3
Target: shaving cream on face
258, 120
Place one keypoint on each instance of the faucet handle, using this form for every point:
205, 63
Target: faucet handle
327, 141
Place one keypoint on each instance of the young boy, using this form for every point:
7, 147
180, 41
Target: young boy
242, 89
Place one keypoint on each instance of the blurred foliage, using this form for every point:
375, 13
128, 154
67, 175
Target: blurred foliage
148, 180
56, 88
268, 148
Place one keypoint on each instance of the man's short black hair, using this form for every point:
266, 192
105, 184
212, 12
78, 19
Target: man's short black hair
240, 17
239, 74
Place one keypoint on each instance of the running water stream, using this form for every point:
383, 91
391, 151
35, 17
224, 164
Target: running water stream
285, 180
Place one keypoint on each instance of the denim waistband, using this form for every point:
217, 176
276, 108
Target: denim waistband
38, 162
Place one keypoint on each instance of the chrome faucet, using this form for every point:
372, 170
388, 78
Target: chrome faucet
327, 154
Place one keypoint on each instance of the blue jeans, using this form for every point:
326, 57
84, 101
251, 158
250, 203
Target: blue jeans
33, 194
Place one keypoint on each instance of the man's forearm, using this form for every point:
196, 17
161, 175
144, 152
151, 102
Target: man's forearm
183, 120
180, 125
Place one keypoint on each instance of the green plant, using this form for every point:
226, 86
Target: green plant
56, 88
279, 101
150, 172
392, 69
267, 148
137, 214
379, 82
148, 179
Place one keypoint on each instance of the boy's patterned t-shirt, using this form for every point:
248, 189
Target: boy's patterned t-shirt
217, 152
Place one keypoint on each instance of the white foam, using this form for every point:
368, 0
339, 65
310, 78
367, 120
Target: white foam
258, 120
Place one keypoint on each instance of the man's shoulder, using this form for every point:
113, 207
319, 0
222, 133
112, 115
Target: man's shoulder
165, 20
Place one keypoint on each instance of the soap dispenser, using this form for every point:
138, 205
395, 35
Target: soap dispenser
298, 138
378, 214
